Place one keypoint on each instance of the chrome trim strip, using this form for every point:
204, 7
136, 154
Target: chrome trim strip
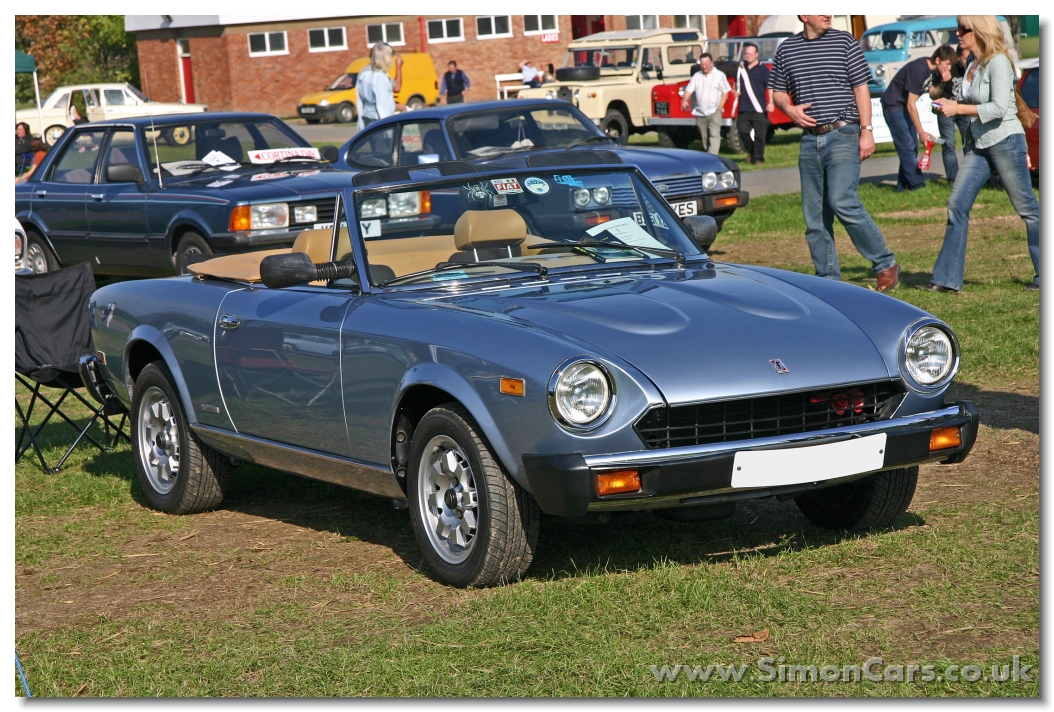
669, 455
301, 461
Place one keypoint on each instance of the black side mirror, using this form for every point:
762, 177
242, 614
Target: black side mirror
703, 230
330, 153
277, 271
658, 74
123, 173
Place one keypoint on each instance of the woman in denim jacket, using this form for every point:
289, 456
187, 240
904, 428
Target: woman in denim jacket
987, 96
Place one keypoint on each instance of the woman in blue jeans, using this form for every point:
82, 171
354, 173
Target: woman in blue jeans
987, 96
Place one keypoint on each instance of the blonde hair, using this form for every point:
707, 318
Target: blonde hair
988, 34
381, 57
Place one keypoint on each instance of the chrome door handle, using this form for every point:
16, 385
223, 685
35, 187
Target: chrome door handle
228, 322
40, 193
98, 196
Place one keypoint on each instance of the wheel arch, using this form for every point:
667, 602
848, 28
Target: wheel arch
620, 106
29, 224
180, 228
145, 345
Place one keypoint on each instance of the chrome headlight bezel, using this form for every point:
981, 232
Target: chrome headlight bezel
727, 180
268, 216
905, 372
604, 413
709, 180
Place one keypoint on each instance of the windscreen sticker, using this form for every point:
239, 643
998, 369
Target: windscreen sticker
476, 190
501, 201
505, 186
626, 230
218, 158
568, 180
370, 228
444, 276
536, 186
270, 155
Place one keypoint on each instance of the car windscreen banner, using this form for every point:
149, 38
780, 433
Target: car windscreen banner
271, 155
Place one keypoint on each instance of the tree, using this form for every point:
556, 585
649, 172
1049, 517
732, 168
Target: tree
75, 49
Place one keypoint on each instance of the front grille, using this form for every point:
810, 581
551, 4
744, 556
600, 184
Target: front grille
680, 185
564, 93
751, 418
323, 206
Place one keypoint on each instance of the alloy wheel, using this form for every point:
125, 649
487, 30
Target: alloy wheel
448, 499
159, 440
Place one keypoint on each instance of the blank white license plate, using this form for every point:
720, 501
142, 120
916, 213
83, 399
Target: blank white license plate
683, 210
794, 466
307, 109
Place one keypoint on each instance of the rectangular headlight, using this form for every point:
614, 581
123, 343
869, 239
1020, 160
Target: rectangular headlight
263, 217
401, 205
305, 213
373, 208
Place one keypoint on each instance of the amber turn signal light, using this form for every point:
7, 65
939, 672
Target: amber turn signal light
619, 482
240, 218
512, 386
944, 438
722, 202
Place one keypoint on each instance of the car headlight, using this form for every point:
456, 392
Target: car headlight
324, 102
374, 208
305, 213
880, 70
263, 217
602, 195
401, 205
581, 197
727, 179
709, 181
577, 91
580, 394
550, 94
930, 356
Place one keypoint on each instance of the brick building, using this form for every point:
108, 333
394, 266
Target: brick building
247, 63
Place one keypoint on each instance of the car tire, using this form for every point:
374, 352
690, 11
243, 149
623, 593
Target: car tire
312, 121
177, 136
615, 124
866, 504
697, 513
39, 257
190, 244
53, 134
676, 136
177, 473
731, 136
345, 113
483, 529
577, 74
416, 103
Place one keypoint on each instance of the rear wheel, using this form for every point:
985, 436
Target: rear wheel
415, 103
53, 134
615, 124
676, 136
39, 257
345, 113
177, 472
475, 526
190, 244
858, 506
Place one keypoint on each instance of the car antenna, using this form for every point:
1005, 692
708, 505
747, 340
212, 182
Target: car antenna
157, 158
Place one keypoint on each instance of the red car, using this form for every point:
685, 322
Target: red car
1028, 85
677, 127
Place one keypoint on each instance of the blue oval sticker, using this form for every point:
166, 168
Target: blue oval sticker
536, 186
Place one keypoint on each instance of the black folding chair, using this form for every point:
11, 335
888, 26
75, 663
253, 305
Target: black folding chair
53, 349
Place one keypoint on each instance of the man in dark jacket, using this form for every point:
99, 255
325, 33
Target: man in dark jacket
455, 84
755, 103
902, 115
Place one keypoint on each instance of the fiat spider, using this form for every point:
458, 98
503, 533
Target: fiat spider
486, 348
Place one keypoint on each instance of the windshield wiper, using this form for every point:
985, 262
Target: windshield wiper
443, 266
579, 142
661, 251
288, 159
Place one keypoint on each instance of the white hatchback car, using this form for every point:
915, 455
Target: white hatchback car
103, 101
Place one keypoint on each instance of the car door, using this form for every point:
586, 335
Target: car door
278, 363
117, 211
375, 149
91, 103
59, 198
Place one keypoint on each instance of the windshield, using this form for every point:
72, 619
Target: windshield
186, 150
490, 133
520, 225
344, 81
607, 58
136, 93
886, 39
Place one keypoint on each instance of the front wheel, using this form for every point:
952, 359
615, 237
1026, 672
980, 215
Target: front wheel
475, 526
53, 134
858, 506
345, 113
615, 124
190, 244
177, 472
39, 257
415, 103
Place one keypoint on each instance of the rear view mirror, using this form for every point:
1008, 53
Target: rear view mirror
278, 271
123, 173
703, 230
330, 153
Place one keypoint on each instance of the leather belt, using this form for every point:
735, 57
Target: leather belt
827, 128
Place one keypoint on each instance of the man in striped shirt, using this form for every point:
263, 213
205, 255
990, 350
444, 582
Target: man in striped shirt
819, 79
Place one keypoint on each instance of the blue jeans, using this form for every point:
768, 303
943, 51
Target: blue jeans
829, 168
946, 126
906, 140
1007, 158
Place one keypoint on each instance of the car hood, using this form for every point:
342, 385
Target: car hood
698, 335
655, 163
320, 95
278, 183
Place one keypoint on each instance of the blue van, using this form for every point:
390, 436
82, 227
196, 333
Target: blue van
889, 47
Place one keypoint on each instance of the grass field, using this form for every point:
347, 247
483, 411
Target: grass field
296, 588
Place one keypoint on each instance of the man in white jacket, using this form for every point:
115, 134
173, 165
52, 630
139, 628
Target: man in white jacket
706, 94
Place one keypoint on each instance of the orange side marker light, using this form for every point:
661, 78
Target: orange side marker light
512, 386
619, 482
944, 438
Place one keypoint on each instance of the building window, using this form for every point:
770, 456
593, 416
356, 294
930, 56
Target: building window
262, 44
446, 31
537, 24
390, 32
489, 27
326, 39
688, 22
642, 22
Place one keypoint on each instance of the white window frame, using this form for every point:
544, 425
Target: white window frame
540, 31
269, 52
384, 34
493, 35
688, 23
328, 47
444, 39
640, 21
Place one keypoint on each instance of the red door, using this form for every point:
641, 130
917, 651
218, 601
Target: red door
188, 80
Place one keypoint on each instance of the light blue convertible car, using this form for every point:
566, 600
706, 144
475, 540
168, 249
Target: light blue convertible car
489, 347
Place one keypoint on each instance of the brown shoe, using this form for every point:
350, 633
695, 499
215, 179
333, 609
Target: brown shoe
888, 278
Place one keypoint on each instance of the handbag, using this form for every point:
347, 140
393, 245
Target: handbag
1024, 114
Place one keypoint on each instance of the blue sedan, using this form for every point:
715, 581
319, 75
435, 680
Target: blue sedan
554, 341
500, 134
132, 196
